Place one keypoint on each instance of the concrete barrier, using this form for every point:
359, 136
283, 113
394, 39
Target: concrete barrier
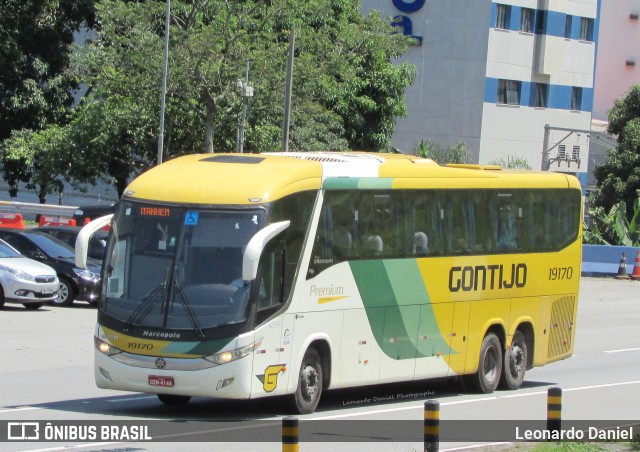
603, 260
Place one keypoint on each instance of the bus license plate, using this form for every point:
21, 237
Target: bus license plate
156, 380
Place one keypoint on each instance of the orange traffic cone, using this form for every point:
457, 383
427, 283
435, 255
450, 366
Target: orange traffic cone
636, 267
622, 268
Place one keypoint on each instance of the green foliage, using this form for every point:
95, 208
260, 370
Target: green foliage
618, 177
614, 228
346, 93
512, 162
35, 158
35, 42
458, 153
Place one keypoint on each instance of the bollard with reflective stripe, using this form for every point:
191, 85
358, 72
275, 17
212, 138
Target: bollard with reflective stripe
554, 409
431, 426
290, 434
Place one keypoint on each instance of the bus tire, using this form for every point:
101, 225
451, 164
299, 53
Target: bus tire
486, 379
515, 363
307, 395
174, 400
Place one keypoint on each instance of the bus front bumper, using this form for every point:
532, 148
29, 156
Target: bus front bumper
231, 380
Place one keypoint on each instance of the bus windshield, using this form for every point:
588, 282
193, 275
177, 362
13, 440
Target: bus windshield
178, 268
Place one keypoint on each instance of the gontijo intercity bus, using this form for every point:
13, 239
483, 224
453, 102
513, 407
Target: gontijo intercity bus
243, 276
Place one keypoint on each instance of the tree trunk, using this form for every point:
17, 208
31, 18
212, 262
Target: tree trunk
209, 128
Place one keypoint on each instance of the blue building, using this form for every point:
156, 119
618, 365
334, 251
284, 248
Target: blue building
493, 74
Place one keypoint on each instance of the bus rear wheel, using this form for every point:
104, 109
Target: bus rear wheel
307, 395
514, 363
487, 377
174, 400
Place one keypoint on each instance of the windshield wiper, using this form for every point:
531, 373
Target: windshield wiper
144, 308
190, 313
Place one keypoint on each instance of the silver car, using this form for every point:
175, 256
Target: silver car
24, 280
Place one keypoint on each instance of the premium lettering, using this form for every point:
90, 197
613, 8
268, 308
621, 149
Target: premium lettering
487, 277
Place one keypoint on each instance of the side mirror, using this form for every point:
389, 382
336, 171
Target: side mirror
82, 242
255, 246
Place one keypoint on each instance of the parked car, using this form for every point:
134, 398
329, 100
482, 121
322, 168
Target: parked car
92, 212
24, 280
74, 282
69, 234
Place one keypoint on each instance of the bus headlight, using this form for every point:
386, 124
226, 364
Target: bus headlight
105, 348
232, 355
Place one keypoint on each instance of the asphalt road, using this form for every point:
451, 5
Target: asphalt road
46, 375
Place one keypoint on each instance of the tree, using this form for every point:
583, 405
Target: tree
35, 42
511, 162
347, 92
35, 81
458, 153
35, 158
618, 177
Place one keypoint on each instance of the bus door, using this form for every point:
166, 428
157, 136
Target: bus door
268, 364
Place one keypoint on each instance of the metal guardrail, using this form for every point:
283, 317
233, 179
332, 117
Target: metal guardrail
34, 209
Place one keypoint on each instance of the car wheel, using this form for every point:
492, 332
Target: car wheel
66, 294
32, 306
172, 399
1, 298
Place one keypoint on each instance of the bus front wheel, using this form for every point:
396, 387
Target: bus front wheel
487, 377
514, 363
307, 395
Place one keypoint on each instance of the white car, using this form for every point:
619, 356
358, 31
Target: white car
24, 280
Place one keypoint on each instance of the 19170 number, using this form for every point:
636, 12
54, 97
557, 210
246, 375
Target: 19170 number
560, 273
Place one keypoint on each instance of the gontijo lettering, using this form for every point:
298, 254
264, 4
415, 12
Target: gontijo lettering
483, 277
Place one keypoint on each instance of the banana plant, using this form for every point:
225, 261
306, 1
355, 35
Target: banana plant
613, 228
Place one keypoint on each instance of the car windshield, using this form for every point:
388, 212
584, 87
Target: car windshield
52, 246
176, 268
7, 251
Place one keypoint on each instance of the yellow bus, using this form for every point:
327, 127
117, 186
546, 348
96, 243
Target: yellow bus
242, 276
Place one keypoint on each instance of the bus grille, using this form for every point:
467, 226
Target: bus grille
561, 328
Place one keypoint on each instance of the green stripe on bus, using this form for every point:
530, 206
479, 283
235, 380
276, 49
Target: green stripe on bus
357, 183
197, 348
399, 308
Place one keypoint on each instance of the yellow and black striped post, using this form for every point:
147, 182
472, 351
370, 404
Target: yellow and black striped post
290, 434
554, 409
431, 426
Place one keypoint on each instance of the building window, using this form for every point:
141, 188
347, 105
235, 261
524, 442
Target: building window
503, 16
586, 29
540, 95
526, 20
575, 154
541, 22
509, 92
576, 98
562, 152
567, 26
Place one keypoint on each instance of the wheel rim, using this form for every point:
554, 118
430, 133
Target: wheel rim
309, 383
490, 364
516, 360
63, 293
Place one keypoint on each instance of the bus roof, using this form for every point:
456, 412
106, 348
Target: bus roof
258, 178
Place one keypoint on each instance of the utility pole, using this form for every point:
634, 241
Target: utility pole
287, 95
246, 93
164, 80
